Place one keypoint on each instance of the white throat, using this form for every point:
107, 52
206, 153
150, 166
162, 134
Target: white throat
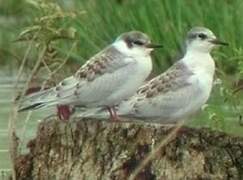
199, 61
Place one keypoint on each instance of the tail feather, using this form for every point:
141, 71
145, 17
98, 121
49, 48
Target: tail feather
32, 107
37, 100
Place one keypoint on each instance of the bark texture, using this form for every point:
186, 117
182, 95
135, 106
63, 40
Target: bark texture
90, 150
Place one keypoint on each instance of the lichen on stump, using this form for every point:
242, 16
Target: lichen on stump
89, 149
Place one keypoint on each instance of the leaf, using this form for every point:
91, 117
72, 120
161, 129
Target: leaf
28, 33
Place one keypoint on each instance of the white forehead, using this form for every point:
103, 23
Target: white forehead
197, 30
133, 35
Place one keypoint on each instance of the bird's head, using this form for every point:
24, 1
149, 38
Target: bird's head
135, 43
202, 39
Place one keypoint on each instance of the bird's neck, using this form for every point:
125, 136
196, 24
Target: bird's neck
199, 61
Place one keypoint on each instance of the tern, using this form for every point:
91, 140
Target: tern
106, 79
180, 91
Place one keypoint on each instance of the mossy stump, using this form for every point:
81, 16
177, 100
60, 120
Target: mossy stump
90, 150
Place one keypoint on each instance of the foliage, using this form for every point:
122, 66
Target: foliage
166, 22
95, 24
47, 27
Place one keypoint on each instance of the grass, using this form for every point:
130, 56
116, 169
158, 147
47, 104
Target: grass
165, 21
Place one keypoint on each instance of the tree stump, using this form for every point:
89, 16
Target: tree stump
90, 150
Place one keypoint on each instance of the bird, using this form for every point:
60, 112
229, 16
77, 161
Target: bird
179, 92
107, 78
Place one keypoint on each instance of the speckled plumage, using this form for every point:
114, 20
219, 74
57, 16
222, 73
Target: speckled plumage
101, 63
180, 91
173, 79
104, 80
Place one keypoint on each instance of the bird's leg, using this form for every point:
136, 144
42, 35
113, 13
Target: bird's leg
64, 112
113, 114
110, 112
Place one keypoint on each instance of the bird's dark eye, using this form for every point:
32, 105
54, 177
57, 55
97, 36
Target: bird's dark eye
202, 36
137, 42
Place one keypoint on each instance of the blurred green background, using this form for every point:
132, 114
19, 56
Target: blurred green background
81, 28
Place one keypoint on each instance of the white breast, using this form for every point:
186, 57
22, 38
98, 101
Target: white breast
203, 67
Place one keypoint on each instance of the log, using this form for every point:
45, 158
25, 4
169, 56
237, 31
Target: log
91, 149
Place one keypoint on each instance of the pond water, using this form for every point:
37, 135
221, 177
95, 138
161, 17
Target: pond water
6, 95
230, 124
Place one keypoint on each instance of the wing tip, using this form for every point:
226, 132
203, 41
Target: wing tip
33, 106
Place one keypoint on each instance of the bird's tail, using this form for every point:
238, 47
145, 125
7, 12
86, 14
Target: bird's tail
37, 100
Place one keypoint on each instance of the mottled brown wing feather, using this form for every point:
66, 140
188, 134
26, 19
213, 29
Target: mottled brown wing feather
107, 61
101, 63
171, 80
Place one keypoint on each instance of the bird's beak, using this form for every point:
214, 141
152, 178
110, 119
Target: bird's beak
219, 42
152, 46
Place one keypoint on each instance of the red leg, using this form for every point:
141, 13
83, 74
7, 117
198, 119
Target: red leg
64, 112
113, 114
110, 112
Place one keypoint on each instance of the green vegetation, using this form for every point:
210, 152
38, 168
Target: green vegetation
98, 23
76, 29
94, 24
165, 21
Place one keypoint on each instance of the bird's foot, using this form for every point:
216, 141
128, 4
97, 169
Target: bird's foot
64, 112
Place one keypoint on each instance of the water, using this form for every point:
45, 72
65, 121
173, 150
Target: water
6, 96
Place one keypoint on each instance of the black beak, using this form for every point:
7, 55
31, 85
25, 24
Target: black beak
152, 46
218, 42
